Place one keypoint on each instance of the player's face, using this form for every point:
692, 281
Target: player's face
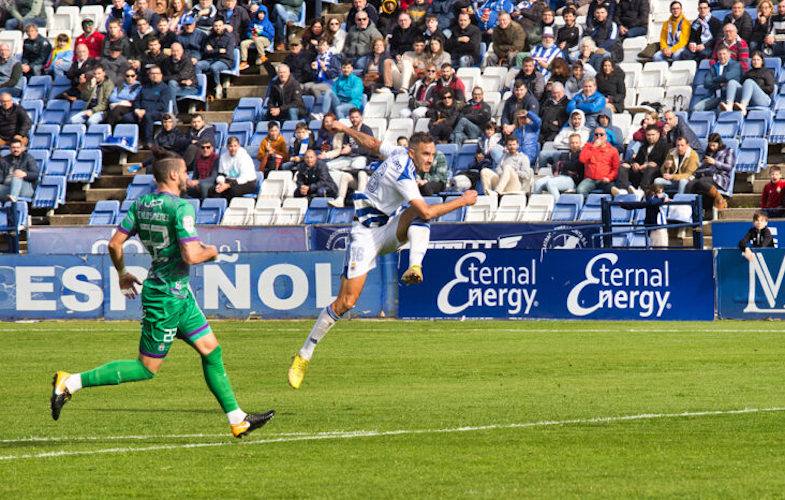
422, 155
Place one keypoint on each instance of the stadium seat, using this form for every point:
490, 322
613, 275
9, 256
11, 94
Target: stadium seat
681, 73
483, 210
41, 156
592, 208
105, 213
701, 122
235, 69
756, 124
125, 206
455, 215
96, 135
624, 122
247, 110
465, 157
308, 101
678, 98
470, 78
494, 77
539, 209
774, 64
377, 125
71, 136
752, 155
55, 112
87, 166
680, 213
379, 105
318, 211
286, 178
292, 212
37, 88
125, 138
649, 94
239, 213
344, 215
200, 96
211, 211
45, 137
728, 124
632, 47
567, 207
621, 215
510, 208
264, 211
256, 139
50, 192
60, 163
221, 134
777, 132
34, 109
421, 125
242, 130
140, 185
450, 152
653, 74
632, 73
289, 125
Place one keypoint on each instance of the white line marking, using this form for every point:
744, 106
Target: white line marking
360, 434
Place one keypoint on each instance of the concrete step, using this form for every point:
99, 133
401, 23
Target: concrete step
744, 214
112, 170
76, 208
105, 194
687, 242
217, 116
224, 104
251, 79
111, 181
744, 200
69, 220
235, 93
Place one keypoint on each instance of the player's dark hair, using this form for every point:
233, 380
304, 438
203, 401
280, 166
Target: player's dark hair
420, 138
165, 161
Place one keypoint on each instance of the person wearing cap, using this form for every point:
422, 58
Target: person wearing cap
35, 51
116, 36
191, 39
217, 54
546, 52
96, 94
115, 64
299, 61
204, 12
121, 12
91, 37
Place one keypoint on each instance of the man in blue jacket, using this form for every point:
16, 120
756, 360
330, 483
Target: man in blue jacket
720, 73
191, 39
345, 95
150, 105
528, 133
589, 101
217, 54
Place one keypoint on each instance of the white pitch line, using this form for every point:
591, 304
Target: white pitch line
370, 433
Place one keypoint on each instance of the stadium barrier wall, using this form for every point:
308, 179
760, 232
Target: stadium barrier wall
563, 284
728, 234
750, 290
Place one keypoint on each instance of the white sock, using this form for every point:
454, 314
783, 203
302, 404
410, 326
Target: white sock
419, 235
236, 416
324, 322
73, 383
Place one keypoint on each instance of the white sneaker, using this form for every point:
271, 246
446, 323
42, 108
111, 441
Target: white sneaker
336, 203
12, 198
219, 92
317, 116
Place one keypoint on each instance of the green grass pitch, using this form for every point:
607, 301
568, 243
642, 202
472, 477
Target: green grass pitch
399, 409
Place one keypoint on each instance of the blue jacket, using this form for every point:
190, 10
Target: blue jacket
192, 43
154, 98
495, 7
715, 81
589, 105
529, 138
349, 89
333, 69
125, 93
125, 17
261, 27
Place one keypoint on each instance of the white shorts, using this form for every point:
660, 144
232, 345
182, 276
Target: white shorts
367, 243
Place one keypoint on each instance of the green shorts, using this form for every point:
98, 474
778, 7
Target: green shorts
166, 317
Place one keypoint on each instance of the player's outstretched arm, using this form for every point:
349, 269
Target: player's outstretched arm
369, 142
196, 252
429, 212
127, 280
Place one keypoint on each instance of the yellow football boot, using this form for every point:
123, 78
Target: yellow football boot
297, 371
413, 275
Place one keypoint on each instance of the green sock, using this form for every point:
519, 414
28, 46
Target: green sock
218, 381
116, 372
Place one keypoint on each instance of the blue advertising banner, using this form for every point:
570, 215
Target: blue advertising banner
42, 240
239, 285
750, 290
728, 234
486, 235
575, 284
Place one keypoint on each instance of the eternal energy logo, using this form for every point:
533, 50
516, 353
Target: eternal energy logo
644, 290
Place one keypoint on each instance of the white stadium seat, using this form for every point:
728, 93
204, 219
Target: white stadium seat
292, 212
632, 72
377, 125
653, 74
539, 209
239, 213
681, 73
678, 98
650, 94
483, 210
510, 208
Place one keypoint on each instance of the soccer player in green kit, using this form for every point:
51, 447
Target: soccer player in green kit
165, 224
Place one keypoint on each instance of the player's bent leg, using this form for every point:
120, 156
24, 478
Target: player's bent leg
417, 232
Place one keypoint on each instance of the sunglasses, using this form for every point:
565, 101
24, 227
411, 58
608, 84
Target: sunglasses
130, 75
207, 147
448, 97
599, 134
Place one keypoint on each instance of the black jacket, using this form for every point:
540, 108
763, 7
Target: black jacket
373, 15
632, 13
286, 96
24, 162
657, 154
612, 87
300, 65
715, 27
125, 46
479, 114
358, 150
115, 69
219, 48
569, 165
554, 116
472, 48
206, 133
192, 43
146, 61
764, 77
449, 114
139, 43
36, 52
402, 40
743, 24
757, 239
74, 72
511, 107
569, 35
173, 140
318, 180
179, 70
154, 98
239, 22
14, 121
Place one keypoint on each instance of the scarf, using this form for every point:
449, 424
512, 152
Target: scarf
674, 31
705, 30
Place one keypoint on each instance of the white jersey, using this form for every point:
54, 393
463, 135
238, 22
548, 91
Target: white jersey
392, 185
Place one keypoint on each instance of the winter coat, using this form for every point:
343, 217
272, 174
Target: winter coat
724, 161
179, 70
318, 180
125, 46
763, 77
508, 40
36, 52
656, 155
24, 162
154, 98
590, 105
286, 96
681, 169
743, 24
192, 43
173, 140
219, 48
715, 81
512, 105
554, 115
739, 51
238, 20
696, 31
562, 139
263, 27
534, 82
757, 239
358, 42
450, 114
470, 48
349, 89
633, 13
300, 66
402, 40
477, 113
612, 87
600, 162
97, 98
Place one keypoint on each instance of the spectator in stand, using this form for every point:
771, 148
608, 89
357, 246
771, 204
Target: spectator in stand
77, 73
92, 38
739, 17
679, 166
153, 57
449, 80
236, 19
326, 68
417, 10
569, 36
722, 93
739, 51
632, 16
409, 65
437, 56
489, 153
574, 84
15, 123
179, 73
544, 54
165, 35
140, 8
10, 72
286, 101
705, 30
775, 39
191, 39
299, 62
528, 14
346, 94
513, 175
121, 101
534, 80
756, 87
473, 117
359, 40
771, 199
613, 134
35, 52
566, 173
115, 64
590, 101
606, 33
122, 13
762, 26
115, 35
674, 35
273, 152
445, 13
329, 143
464, 45
204, 13
589, 56
352, 161
601, 164
61, 58
403, 35
373, 76
610, 83
520, 99
422, 94
527, 130
24, 12
675, 127
236, 172
432, 29
508, 39
170, 137
302, 141
313, 178
444, 116
361, 6
205, 171
176, 12
649, 118
18, 173
488, 14
95, 93
337, 35
435, 180
217, 54
758, 236
645, 167
153, 101
551, 151
311, 36
591, 18
198, 133
713, 175
560, 72
140, 37
260, 34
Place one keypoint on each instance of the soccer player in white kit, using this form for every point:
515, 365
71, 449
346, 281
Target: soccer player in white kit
378, 230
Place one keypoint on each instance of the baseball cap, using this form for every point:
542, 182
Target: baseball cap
547, 32
87, 21
189, 20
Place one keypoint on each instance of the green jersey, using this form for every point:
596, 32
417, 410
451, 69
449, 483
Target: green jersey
163, 222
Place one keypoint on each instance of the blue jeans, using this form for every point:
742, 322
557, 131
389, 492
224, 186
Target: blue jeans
81, 117
636, 31
554, 185
178, 91
332, 103
18, 187
13, 24
215, 67
465, 129
586, 186
751, 94
659, 56
666, 184
283, 16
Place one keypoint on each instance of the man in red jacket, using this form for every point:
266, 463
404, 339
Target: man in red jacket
773, 192
92, 38
601, 164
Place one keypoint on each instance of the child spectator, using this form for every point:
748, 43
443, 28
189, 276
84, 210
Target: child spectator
272, 151
302, 141
772, 196
758, 236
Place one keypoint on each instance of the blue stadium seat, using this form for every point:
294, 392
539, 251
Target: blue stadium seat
701, 123
289, 125
567, 207
592, 209
242, 130
455, 215
50, 192
432, 200
256, 139
125, 206
124, 138
211, 211
59, 85
21, 211
247, 110
201, 94
465, 157
450, 153
235, 69
60, 163
259, 182
141, 185
96, 134
37, 88
752, 155
318, 211
105, 213
56, 111
45, 137
622, 215
773, 63
87, 166
41, 156
221, 134
756, 124
728, 124
343, 215
194, 203
34, 109
71, 136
